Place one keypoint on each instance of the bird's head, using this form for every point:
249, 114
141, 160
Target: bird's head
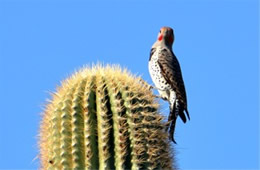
166, 35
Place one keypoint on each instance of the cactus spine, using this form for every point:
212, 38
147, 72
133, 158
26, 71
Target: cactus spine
103, 118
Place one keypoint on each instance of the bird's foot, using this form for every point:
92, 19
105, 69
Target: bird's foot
150, 87
160, 97
164, 98
156, 96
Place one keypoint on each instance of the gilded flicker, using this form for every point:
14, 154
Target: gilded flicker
166, 74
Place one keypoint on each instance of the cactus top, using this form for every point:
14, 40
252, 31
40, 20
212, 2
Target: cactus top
103, 118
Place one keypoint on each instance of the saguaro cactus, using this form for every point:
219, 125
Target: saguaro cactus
103, 118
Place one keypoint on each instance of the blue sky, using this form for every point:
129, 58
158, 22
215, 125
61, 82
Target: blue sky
216, 42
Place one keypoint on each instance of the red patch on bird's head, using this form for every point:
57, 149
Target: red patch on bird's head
160, 37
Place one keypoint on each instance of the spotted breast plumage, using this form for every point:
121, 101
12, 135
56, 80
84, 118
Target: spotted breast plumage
166, 74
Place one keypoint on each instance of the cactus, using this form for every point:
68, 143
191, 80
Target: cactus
103, 118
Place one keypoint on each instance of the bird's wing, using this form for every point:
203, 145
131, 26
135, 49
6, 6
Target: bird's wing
151, 53
171, 71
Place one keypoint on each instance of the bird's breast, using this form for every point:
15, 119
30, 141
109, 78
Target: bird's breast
156, 74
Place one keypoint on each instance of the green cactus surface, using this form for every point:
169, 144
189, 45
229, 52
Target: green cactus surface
103, 118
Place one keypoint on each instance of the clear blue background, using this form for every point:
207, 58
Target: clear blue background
42, 42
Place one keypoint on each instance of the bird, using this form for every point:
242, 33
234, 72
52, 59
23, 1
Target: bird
165, 71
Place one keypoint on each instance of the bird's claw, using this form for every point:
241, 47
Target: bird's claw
151, 87
160, 97
164, 98
156, 96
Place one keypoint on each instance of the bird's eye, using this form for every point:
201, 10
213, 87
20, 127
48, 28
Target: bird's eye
160, 31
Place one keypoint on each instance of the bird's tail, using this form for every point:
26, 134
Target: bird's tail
172, 122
